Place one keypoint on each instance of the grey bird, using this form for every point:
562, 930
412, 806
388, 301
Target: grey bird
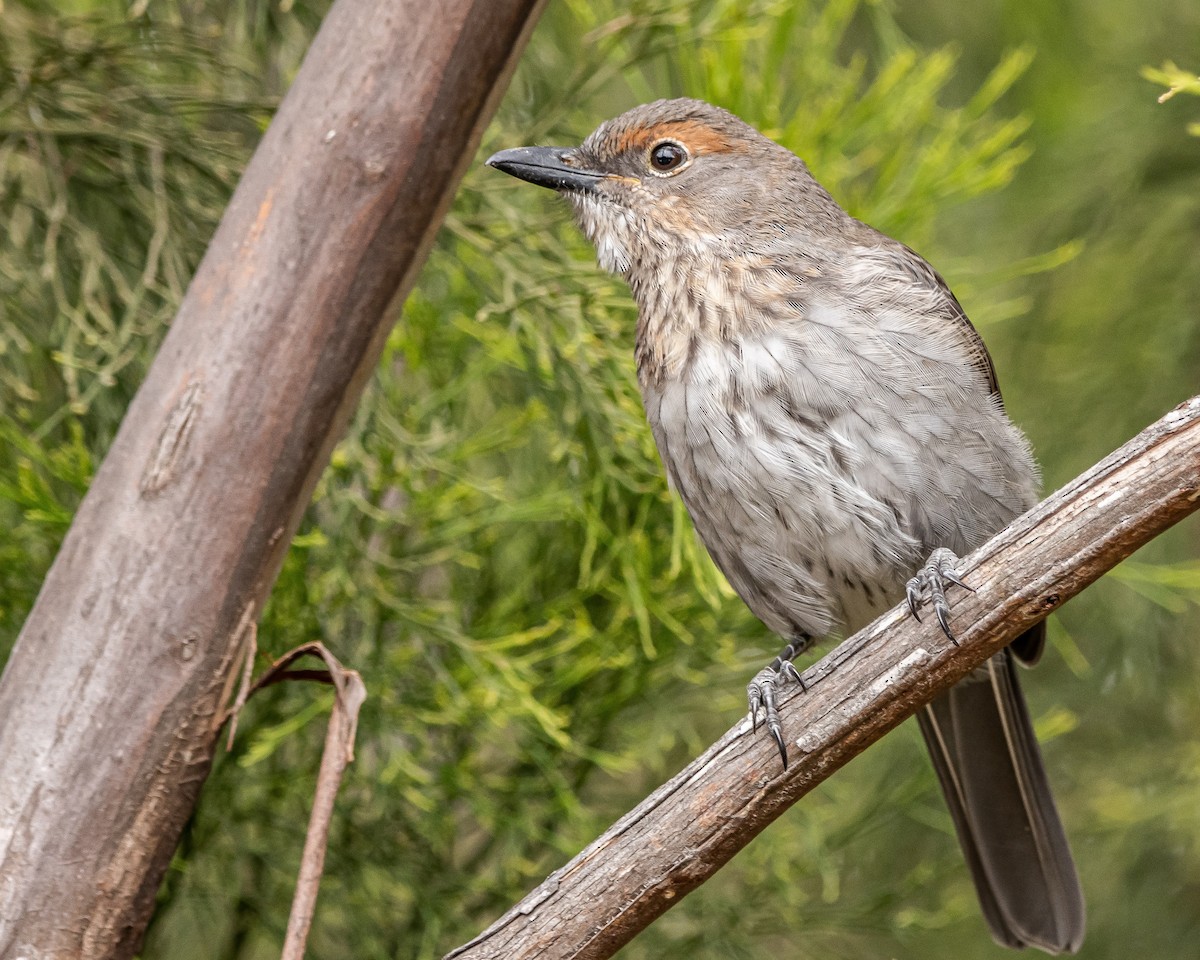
833, 424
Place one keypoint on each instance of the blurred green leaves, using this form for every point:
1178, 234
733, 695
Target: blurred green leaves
1176, 80
119, 146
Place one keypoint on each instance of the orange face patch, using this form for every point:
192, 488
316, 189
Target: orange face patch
699, 138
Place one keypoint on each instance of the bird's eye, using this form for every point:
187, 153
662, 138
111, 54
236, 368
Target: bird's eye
667, 156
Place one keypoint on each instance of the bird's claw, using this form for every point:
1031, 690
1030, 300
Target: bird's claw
933, 577
949, 573
760, 693
912, 593
944, 620
777, 736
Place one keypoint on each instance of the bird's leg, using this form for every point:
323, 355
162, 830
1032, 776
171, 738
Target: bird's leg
939, 570
760, 692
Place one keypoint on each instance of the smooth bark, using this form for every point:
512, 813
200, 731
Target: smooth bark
112, 698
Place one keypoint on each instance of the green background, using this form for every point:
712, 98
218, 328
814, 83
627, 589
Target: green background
493, 546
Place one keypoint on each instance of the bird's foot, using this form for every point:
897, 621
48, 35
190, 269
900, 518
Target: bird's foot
760, 692
939, 570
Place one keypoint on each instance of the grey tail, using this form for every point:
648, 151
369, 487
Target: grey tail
987, 759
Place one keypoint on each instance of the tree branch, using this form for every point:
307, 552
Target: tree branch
691, 826
113, 695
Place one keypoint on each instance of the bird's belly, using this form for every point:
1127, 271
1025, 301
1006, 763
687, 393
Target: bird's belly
800, 539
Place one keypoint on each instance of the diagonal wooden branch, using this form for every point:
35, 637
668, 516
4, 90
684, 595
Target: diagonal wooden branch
691, 826
112, 699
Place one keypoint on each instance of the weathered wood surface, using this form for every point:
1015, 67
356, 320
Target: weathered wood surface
690, 827
110, 700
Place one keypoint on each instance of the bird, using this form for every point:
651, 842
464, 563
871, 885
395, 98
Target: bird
833, 424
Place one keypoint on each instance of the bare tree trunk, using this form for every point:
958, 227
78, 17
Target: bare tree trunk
110, 702
692, 826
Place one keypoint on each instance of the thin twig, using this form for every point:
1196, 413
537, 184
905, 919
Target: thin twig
338, 752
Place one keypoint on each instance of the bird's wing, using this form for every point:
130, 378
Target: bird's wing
915, 268
903, 261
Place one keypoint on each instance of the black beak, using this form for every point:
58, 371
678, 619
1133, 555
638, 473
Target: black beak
547, 167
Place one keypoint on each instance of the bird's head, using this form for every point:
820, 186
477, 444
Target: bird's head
672, 177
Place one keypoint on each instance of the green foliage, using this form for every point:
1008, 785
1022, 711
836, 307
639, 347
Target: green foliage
1176, 80
119, 147
493, 545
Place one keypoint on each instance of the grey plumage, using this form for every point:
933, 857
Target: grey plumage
830, 418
